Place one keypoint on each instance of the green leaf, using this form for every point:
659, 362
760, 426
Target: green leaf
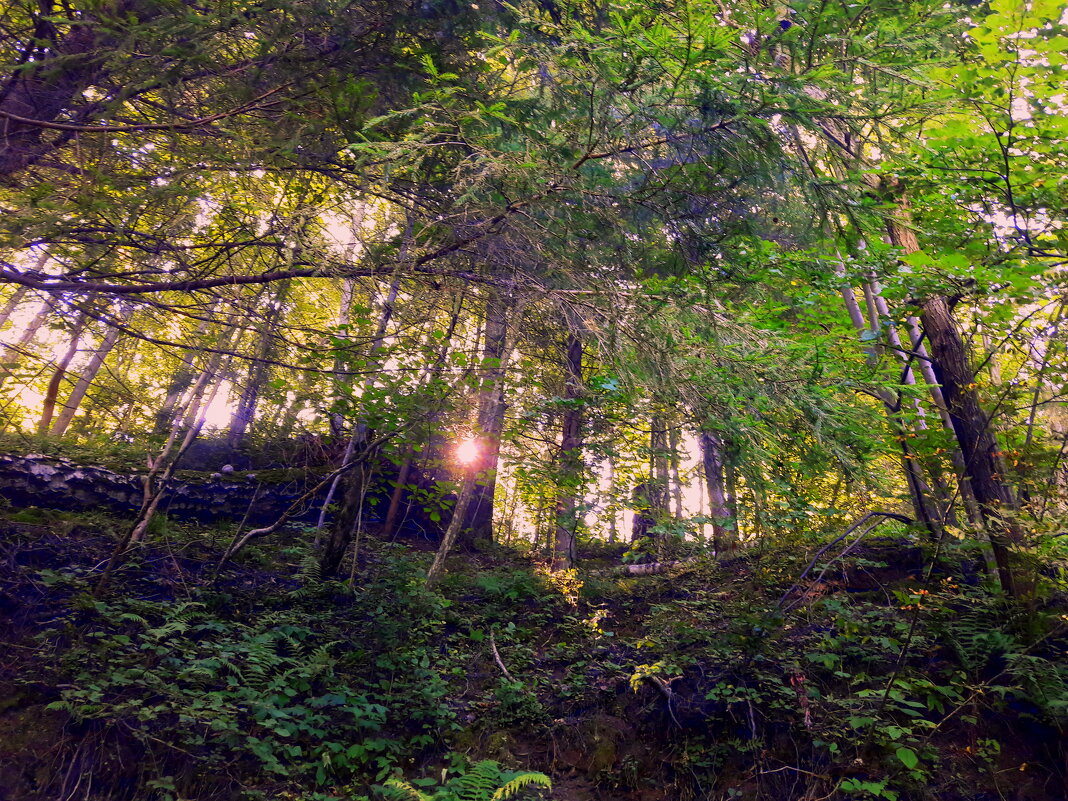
908, 757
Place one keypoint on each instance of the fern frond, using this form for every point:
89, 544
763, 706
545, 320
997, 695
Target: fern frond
480, 782
310, 571
520, 782
399, 790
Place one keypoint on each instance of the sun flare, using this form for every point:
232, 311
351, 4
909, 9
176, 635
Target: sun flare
468, 451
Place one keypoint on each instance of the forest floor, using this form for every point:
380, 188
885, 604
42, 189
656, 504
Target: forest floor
889, 673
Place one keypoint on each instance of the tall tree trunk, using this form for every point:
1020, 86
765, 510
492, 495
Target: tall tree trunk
702, 495
88, 375
495, 345
12, 354
673, 471
258, 370
430, 373
490, 414
12, 304
923, 503
613, 515
48, 407
977, 442
570, 485
180, 382
715, 482
404, 469
879, 310
978, 446
459, 514
658, 472
731, 470
938, 400
344, 314
343, 527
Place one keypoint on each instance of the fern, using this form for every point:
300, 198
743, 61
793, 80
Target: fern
484, 781
976, 641
1045, 683
480, 782
399, 790
520, 782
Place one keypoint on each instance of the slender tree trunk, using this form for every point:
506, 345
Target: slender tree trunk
258, 370
48, 407
613, 515
183, 379
12, 303
343, 528
702, 494
87, 376
567, 502
977, 443
939, 401
673, 471
13, 354
658, 473
495, 345
344, 313
164, 467
459, 513
879, 310
718, 507
430, 373
490, 414
731, 471
919, 493
395, 498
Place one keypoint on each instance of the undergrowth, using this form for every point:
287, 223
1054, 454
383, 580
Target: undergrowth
710, 683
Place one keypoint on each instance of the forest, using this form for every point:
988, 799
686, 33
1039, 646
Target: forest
589, 400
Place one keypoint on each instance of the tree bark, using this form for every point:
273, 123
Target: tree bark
977, 442
949, 360
343, 527
673, 471
490, 417
48, 407
459, 513
12, 354
257, 370
182, 380
718, 507
569, 488
87, 376
12, 304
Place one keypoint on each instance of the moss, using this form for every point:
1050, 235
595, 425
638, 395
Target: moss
500, 745
600, 739
34, 516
